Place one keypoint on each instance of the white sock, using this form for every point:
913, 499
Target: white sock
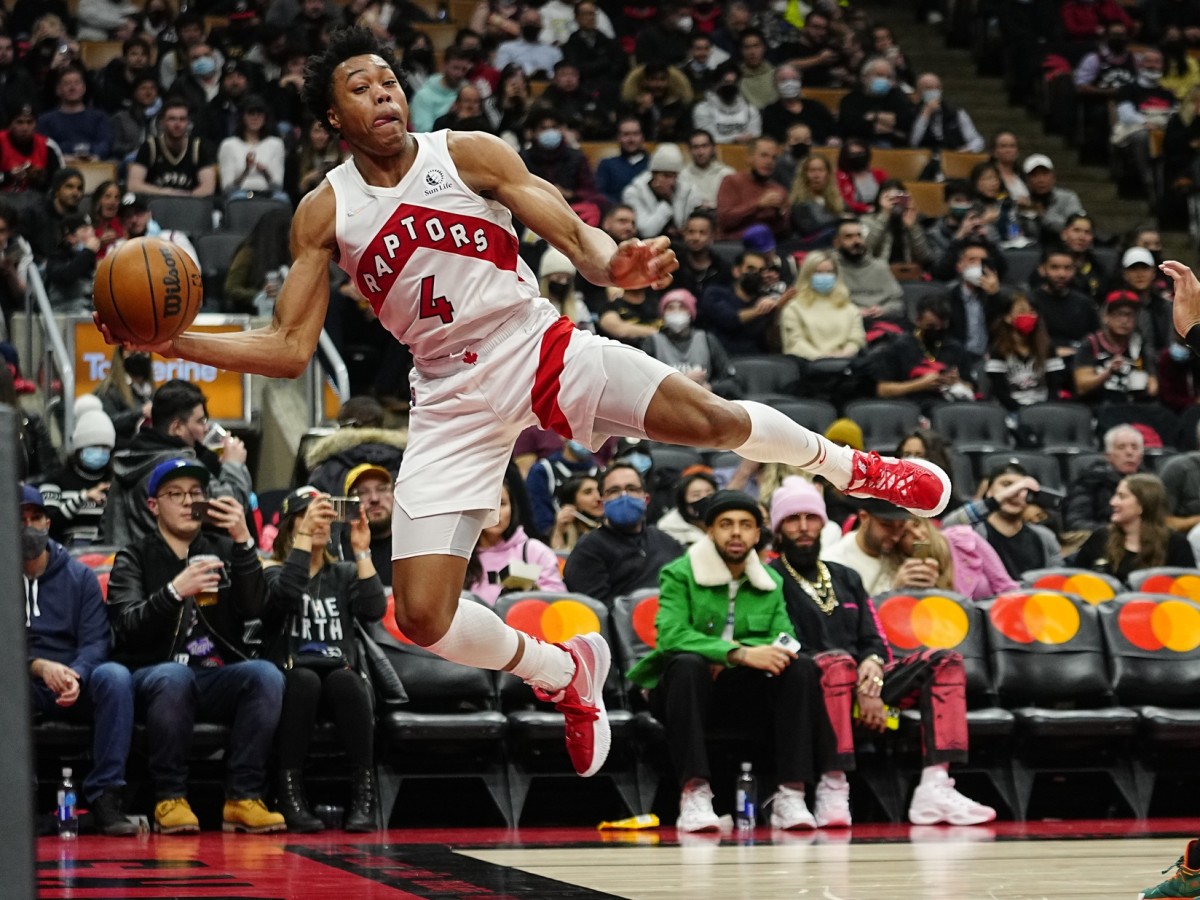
776, 438
477, 637
935, 774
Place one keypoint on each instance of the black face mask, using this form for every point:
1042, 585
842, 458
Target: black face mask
1118, 44
857, 162
531, 32
557, 290
931, 337
799, 151
727, 92
751, 284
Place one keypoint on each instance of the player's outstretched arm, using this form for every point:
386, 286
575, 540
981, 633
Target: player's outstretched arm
492, 168
283, 348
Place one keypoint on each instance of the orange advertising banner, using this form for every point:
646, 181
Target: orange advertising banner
227, 392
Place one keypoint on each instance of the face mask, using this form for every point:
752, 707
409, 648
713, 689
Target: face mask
1180, 353
931, 96
1149, 79
203, 66
694, 512
684, 24
727, 92
799, 151
856, 162
557, 290
789, 89
879, 85
973, 275
1117, 44
550, 138
959, 212
625, 511
1025, 323
677, 321
823, 282
639, 460
153, 108
751, 284
932, 336
579, 451
94, 459
33, 541
531, 32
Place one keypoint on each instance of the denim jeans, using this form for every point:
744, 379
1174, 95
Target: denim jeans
171, 696
106, 702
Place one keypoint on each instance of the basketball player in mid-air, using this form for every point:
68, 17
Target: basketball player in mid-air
422, 224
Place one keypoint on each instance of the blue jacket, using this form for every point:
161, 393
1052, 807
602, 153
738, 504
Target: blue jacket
543, 480
614, 173
65, 617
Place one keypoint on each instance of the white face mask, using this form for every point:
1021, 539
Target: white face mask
789, 89
677, 320
685, 24
973, 275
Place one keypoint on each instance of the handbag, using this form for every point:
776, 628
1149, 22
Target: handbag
389, 689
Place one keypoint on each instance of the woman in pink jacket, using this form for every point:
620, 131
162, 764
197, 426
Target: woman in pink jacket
505, 544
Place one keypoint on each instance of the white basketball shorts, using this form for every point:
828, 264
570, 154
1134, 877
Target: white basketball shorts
467, 410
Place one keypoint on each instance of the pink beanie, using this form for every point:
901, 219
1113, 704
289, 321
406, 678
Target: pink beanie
796, 495
680, 295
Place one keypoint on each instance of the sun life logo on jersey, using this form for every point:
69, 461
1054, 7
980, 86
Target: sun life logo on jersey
436, 181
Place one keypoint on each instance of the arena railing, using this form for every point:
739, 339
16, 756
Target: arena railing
38, 308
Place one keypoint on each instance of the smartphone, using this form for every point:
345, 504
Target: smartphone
921, 550
787, 642
1047, 500
346, 509
202, 511
904, 201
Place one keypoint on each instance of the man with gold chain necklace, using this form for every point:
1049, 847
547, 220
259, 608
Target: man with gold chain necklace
835, 620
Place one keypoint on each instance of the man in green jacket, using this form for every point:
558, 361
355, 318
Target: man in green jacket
720, 612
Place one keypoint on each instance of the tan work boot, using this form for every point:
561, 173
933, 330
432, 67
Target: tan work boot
174, 816
251, 816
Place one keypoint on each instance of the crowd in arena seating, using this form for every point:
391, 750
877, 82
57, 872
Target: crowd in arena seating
846, 234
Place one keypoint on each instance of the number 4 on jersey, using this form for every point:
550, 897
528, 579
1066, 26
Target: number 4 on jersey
432, 307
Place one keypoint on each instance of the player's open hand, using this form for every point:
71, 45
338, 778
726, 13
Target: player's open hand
163, 348
643, 263
1186, 310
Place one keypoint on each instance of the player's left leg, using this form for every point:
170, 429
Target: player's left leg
682, 412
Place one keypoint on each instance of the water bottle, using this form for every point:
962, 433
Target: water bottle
745, 808
68, 821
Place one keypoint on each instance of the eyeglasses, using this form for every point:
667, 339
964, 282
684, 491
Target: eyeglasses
177, 497
370, 493
617, 490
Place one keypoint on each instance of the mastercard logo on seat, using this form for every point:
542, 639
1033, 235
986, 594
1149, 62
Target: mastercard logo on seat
1042, 617
554, 621
1087, 585
1160, 625
1176, 585
645, 615
931, 621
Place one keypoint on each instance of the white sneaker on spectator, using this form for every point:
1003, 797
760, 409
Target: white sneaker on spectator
789, 811
833, 801
696, 809
935, 800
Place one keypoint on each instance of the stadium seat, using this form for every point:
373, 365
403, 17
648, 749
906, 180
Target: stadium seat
1077, 464
767, 374
1189, 426
914, 291
916, 620
973, 427
1042, 466
191, 215
928, 197
958, 165
1049, 668
830, 98
1022, 263
884, 422
727, 251
242, 215
216, 252
535, 729
95, 173
815, 415
903, 163
674, 457
1167, 580
1094, 587
1154, 415
1063, 428
1154, 652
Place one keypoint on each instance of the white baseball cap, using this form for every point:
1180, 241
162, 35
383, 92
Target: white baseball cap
1037, 161
1135, 256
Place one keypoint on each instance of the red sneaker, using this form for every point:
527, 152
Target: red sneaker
914, 484
582, 703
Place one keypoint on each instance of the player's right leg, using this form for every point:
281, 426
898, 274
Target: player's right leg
429, 609
682, 412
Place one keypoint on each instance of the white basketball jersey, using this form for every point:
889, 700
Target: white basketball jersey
437, 262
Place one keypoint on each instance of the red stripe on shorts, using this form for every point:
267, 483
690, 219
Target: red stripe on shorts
551, 359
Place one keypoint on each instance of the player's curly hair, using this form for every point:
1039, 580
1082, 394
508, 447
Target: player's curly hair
318, 71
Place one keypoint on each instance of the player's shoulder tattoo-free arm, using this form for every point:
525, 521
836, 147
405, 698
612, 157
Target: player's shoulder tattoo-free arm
491, 167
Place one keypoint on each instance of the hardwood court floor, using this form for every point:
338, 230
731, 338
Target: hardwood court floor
1085, 860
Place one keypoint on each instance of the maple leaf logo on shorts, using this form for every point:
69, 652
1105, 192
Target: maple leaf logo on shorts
470, 357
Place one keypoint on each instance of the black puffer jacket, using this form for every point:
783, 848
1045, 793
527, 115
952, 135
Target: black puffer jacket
1088, 496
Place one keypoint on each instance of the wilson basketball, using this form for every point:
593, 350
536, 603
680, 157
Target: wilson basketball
147, 291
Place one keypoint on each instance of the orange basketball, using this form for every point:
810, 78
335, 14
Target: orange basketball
147, 291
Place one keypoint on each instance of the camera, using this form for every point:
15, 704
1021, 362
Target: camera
346, 509
1047, 500
202, 511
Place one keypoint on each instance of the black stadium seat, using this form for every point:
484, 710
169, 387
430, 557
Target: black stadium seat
767, 374
884, 422
191, 215
243, 214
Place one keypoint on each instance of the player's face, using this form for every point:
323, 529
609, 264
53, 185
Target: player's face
369, 108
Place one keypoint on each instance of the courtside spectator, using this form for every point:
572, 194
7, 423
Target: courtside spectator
1052, 204
81, 132
741, 317
1088, 496
873, 287
725, 113
696, 353
753, 197
877, 111
1136, 535
790, 109
1022, 367
76, 489
820, 321
28, 161
372, 485
929, 365
548, 474
685, 520
659, 201
580, 510
174, 163
699, 266
940, 125
614, 173
1114, 364
704, 174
